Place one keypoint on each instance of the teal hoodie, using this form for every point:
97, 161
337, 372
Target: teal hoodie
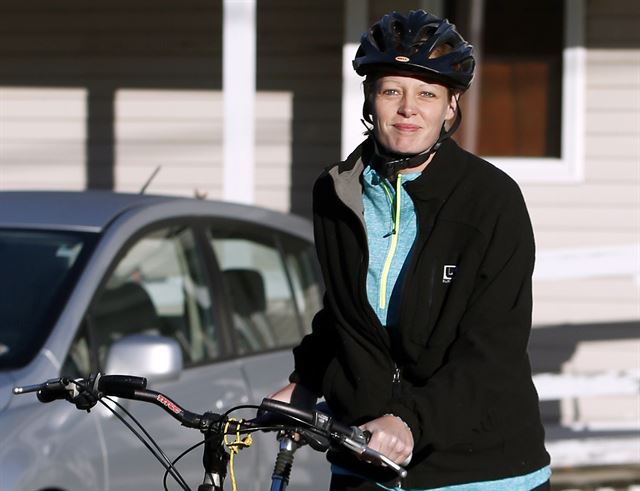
390, 220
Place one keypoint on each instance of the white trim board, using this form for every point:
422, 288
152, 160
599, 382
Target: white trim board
588, 262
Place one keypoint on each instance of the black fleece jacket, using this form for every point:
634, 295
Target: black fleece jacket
465, 385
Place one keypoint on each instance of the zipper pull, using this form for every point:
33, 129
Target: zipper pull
395, 385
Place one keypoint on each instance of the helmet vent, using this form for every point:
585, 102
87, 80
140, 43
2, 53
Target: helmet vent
398, 33
378, 37
424, 34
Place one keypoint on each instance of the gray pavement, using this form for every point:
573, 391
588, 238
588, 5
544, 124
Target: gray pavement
609, 478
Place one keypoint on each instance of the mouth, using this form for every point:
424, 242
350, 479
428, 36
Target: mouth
410, 128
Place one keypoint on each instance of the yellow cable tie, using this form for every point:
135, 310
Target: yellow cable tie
235, 446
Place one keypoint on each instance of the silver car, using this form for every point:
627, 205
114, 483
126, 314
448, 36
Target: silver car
203, 298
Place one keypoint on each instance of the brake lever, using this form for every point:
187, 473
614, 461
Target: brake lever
317, 441
362, 449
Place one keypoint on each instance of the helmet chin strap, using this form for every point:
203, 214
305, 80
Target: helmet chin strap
389, 164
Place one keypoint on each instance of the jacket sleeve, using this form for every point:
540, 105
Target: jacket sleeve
485, 380
313, 354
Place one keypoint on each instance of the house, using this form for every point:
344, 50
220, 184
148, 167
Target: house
248, 100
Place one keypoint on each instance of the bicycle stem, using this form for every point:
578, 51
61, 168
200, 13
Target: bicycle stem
284, 462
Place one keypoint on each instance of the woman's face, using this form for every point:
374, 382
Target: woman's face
409, 112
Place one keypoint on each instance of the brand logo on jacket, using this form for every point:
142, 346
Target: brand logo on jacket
448, 273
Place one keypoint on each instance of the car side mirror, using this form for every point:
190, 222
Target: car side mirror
158, 358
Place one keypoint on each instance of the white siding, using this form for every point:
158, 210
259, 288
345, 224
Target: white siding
42, 138
181, 131
602, 211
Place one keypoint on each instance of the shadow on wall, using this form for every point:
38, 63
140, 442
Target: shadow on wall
104, 47
588, 378
300, 51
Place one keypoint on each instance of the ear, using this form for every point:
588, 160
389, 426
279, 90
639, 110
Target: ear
452, 106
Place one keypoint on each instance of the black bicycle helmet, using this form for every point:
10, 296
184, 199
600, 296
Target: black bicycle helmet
420, 44
410, 44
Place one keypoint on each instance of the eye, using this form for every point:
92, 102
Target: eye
427, 94
389, 91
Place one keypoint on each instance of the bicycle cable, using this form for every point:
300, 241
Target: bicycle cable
175, 461
167, 464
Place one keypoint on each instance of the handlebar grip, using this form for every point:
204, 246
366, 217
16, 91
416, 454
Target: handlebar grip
121, 385
52, 390
285, 409
316, 419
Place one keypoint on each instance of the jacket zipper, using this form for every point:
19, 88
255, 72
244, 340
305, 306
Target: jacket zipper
395, 382
382, 295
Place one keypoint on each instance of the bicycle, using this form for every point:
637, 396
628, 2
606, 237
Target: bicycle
295, 426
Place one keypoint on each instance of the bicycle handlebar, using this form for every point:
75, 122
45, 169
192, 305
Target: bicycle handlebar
351, 437
113, 385
85, 393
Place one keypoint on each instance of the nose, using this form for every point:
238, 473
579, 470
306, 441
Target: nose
407, 107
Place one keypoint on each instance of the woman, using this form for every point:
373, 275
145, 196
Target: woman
427, 254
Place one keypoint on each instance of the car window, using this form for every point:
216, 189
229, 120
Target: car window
300, 258
79, 362
263, 306
37, 274
159, 288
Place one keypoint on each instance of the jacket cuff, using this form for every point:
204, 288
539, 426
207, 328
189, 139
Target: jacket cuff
295, 378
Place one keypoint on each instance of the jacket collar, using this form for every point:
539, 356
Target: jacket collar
347, 183
437, 181
440, 177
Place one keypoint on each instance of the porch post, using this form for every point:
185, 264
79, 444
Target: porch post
355, 23
239, 91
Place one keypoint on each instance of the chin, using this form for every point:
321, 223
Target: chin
409, 149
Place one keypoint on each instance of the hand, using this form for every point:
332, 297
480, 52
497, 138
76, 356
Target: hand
284, 394
297, 395
391, 436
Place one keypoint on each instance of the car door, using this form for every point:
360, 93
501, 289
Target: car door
236, 307
160, 286
273, 283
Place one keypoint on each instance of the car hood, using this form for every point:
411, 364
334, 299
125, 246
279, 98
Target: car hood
6, 387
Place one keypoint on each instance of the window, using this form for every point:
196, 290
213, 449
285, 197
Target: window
78, 362
519, 78
526, 112
37, 274
266, 312
300, 258
158, 288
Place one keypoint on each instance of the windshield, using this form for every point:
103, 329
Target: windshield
37, 272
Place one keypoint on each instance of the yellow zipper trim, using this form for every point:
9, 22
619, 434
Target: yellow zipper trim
382, 299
